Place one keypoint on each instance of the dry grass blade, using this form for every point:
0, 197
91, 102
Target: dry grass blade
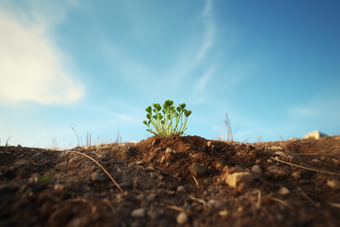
280, 136
76, 134
304, 194
258, 204
110, 205
7, 142
316, 170
196, 181
121, 190
335, 204
198, 200
227, 122
177, 208
258, 139
281, 201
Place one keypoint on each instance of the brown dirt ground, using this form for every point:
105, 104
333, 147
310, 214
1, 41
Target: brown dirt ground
42, 187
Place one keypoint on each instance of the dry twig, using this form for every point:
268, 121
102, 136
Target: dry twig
316, 170
121, 190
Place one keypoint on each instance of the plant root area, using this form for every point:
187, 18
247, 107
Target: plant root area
173, 181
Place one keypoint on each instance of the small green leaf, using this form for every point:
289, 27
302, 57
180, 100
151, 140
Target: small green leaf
187, 113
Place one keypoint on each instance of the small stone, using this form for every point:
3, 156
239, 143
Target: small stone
334, 184
270, 161
223, 213
323, 158
256, 169
126, 185
283, 191
95, 176
258, 161
169, 192
153, 175
209, 143
233, 180
297, 175
280, 153
164, 172
150, 168
315, 160
316, 134
158, 149
168, 150
335, 161
182, 218
140, 163
181, 189
138, 213
58, 187
198, 170
215, 203
276, 148
278, 172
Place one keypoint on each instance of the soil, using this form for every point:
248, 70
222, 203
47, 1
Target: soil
173, 181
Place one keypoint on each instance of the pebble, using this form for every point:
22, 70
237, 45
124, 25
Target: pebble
150, 168
95, 176
138, 213
198, 170
181, 189
278, 172
276, 148
169, 150
153, 175
126, 185
58, 187
258, 161
239, 178
270, 161
140, 163
283, 191
158, 149
316, 160
223, 213
334, 184
297, 175
323, 158
256, 169
209, 143
280, 153
335, 161
182, 218
215, 203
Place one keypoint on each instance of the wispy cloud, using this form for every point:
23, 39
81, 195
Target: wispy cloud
31, 66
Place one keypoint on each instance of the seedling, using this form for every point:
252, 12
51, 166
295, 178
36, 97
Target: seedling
164, 124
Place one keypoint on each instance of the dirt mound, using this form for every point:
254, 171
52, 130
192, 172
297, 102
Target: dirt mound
185, 180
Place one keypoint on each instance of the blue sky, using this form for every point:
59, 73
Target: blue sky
272, 65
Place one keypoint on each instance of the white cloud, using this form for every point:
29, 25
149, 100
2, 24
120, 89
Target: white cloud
208, 37
31, 68
202, 81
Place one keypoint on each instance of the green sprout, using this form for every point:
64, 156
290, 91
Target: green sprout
163, 124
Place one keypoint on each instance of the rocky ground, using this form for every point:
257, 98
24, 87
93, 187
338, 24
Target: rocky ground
181, 180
